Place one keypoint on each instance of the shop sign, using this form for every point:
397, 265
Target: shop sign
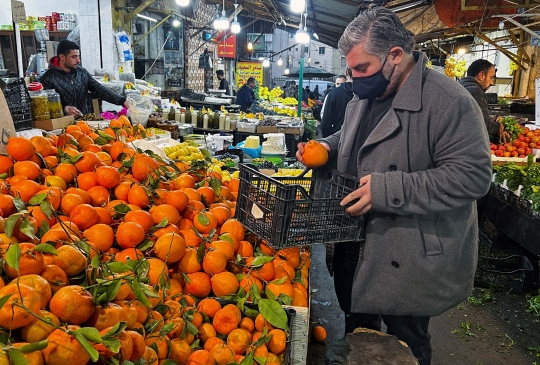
535, 41
18, 12
227, 47
260, 45
245, 70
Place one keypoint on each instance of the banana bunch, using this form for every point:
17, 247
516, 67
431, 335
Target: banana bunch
291, 173
185, 152
453, 68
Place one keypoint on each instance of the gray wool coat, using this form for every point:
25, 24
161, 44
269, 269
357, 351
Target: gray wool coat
429, 162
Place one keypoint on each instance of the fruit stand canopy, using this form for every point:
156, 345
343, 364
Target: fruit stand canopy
427, 19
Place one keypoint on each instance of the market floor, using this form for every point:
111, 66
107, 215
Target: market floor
490, 329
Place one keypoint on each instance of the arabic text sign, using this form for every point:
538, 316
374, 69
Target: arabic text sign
245, 70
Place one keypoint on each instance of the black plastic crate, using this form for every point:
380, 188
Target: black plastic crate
22, 118
492, 98
17, 95
520, 108
291, 211
508, 273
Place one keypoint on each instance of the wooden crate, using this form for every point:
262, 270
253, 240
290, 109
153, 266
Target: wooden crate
299, 335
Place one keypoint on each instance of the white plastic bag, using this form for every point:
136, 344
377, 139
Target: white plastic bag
123, 45
139, 108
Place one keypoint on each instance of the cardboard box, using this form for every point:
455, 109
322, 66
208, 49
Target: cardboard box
267, 129
292, 130
50, 124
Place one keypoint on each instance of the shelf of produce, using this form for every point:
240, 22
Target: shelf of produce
514, 223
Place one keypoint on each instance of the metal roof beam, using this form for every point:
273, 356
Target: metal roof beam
139, 9
507, 53
322, 12
519, 25
520, 47
465, 7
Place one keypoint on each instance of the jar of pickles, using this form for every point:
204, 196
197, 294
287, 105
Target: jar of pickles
40, 101
55, 105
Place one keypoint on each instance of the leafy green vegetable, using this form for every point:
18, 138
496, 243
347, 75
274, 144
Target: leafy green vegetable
511, 126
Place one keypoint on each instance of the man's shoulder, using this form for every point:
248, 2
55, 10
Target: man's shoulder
437, 84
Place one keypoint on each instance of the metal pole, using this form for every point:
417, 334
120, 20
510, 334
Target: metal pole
19, 49
300, 80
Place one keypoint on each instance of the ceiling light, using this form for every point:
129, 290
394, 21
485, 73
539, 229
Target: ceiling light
501, 25
286, 71
250, 46
176, 23
266, 62
222, 23
301, 36
182, 2
235, 26
147, 18
298, 6
261, 58
462, 51
280, 62
316, 36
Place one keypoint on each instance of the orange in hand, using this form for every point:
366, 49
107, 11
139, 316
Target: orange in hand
315, 154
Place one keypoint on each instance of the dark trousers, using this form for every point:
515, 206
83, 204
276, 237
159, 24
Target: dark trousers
413, 330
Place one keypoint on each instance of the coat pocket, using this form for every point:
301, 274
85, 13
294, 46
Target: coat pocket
428, 232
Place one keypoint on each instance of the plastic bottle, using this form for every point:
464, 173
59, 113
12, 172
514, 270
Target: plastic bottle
227, 123
205, 121
177, 115
182, 117
222, 119
193, 117
171, 114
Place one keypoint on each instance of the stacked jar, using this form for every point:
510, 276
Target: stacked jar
55, 104
40, 101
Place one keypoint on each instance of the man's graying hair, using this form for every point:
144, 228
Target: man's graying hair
379, 29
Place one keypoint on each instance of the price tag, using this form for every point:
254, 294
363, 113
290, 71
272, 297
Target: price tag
7, 128
18, 12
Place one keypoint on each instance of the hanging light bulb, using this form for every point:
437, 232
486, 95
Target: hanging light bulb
280, 62
286, 71
462, 51
222, 23
266, 62
235, 26
298, 6
250, 46
301, 35
501, 25
176, 23
182, 2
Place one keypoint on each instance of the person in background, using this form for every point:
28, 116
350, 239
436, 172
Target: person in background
339, 80
316, 92
310, 93
335, 105
480, 77
245, 95
223, 83
416, 141
73, 82
291, 91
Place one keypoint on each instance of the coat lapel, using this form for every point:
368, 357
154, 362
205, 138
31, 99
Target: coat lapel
353, 115
386, 127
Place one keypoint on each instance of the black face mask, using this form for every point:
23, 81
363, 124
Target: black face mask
372, 86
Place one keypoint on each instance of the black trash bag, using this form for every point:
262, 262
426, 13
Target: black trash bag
369, 349
204, 60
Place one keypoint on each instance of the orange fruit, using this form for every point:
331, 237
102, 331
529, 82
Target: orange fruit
6, 205
192, 194
72, 304
84, 216
70, 202
247, 324
180, 351
223, 355
185, 224
12, 316
235, 228
99, 195
248, 281
39, 284
226, 247
224, 283
208, 194
199, 285
128, 254
177, 199
42, 145
25, 190
56, 237
157, 270
5, 164
169, 228
191, 238
183, 181
66, 171
50, 161
209, 306
87, 199
141, 217
138, 195
265, 272
122, 190
40, 217
213, 341
238, 340
27, 168
188, 263
129, 234
315, 154
234, 185
64, 349
87, 180
71, 260
138, 345
204, 222
170, 247
101, 236
319, 333
165, 211
206, 330
38, 330
88, 162
299, 299
291, 255
200, 357
225, 320
108, 316
55, 276
31, 262
222, 214
53, 196
143, 166
104, 216
149, 355
283, 288
277, 343
245, 249
20, 148
214, 262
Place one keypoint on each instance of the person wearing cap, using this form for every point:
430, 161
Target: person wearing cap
223, 83
73, 82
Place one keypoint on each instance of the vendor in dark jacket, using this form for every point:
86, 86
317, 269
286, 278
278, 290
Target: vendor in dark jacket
73, 82
480, 77
335, 105
245, 95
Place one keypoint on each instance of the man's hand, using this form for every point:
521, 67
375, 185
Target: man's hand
364, 194
300, 151
71, 110
126, 104
504, 137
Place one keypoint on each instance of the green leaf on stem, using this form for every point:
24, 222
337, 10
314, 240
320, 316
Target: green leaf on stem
118, 267
37, 199
261, 260
17, 357
46, 248
27, 228
46, 208
10, 223
90, 333
19, 204
274, 313
4, 299
13, 256
90, 350
32, 347
139, 294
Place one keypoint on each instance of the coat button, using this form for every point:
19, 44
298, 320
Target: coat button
395, 264
392, 167
396, 201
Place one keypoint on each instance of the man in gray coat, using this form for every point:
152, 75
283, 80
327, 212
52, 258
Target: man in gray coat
418, 145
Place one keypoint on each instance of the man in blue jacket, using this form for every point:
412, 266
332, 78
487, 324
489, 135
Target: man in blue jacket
245, 95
